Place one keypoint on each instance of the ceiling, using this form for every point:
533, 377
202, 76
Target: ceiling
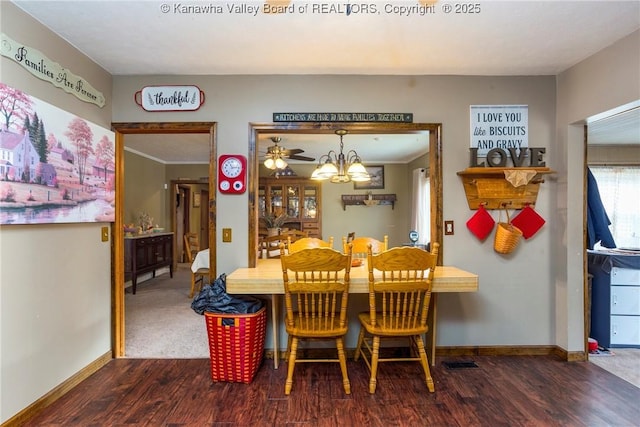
147, 37
496, 38
194, 148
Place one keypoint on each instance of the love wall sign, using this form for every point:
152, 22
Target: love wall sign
500, 133
499, 126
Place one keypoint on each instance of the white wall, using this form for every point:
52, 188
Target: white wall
508, 289
55, 295
602, 82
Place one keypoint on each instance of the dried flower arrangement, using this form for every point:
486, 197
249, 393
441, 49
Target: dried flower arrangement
272, 220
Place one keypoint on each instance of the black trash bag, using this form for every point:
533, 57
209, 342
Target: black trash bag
214, 298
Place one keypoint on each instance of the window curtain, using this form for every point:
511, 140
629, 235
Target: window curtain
421, 205
618, 186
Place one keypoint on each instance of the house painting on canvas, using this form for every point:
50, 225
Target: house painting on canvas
55, 167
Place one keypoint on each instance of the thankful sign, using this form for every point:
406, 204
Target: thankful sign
169, 98
499, 126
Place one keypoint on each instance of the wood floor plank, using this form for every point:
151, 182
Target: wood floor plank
501, 391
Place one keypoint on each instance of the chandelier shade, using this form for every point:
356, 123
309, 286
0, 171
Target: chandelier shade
338, 168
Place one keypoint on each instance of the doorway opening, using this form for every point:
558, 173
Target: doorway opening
117, 232
182, 221
435, 165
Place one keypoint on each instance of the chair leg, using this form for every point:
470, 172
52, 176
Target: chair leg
374, 364
193, 285
292, 363
424, 362
343, 365
356, 356
286, 354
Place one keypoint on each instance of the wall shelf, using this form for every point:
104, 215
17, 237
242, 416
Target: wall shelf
368, 200
488, 186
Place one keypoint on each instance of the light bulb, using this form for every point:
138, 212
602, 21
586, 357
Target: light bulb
269, 163
280, 163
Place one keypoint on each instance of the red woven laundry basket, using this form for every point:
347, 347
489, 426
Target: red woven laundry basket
236, 350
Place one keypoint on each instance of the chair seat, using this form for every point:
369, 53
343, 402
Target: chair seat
320, 328
382, 330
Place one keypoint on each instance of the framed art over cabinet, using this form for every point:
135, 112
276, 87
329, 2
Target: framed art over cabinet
377, 179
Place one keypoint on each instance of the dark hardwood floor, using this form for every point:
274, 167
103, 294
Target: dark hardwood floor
501, 391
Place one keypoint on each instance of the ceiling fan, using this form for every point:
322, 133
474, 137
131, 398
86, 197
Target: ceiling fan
275, 155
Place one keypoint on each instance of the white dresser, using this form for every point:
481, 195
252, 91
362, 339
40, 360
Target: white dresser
615, 298
625, 307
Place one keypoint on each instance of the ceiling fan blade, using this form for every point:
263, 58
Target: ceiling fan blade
292, 151
304, 158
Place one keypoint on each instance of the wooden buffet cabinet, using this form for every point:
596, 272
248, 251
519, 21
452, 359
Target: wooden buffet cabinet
147, 253
300, 198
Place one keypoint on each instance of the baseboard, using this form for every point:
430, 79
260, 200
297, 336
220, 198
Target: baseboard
574, 356
532, 350
39, 405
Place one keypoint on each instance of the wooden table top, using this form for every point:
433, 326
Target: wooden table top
266, 278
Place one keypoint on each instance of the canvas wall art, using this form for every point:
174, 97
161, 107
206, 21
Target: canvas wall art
55, 167
377, 179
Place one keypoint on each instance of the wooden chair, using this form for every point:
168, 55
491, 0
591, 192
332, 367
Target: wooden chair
191, 245
191, 248
269, 246
307, 243
297, 234
398, 306
351, 236
360, 245
198, 280
316, 290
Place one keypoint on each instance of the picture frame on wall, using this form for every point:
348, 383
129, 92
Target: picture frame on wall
65, 174
377, 179
196, 200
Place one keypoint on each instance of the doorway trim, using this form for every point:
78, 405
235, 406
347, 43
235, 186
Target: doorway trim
117, 229
435, 165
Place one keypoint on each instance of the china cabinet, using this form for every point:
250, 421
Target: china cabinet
299, 198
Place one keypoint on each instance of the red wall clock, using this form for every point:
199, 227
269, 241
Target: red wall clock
232, 174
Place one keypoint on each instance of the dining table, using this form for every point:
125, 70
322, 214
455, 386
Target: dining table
266, 279
200, 261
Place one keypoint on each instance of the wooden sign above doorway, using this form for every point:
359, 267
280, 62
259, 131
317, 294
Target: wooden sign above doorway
169, 98
344, 117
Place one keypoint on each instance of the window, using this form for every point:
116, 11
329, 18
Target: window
618, 186
421, 205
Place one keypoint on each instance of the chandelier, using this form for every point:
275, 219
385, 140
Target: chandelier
338, 168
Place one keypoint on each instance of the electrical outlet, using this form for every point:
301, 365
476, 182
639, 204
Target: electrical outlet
104, 234
448, 228
226, 235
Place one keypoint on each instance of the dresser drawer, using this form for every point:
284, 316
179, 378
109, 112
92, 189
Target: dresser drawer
625, 276
625, 300
625, 330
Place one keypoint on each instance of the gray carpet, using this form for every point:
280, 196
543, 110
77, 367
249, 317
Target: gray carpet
623, 362
159, 321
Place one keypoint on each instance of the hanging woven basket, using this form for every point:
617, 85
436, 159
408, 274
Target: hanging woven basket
507, 237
